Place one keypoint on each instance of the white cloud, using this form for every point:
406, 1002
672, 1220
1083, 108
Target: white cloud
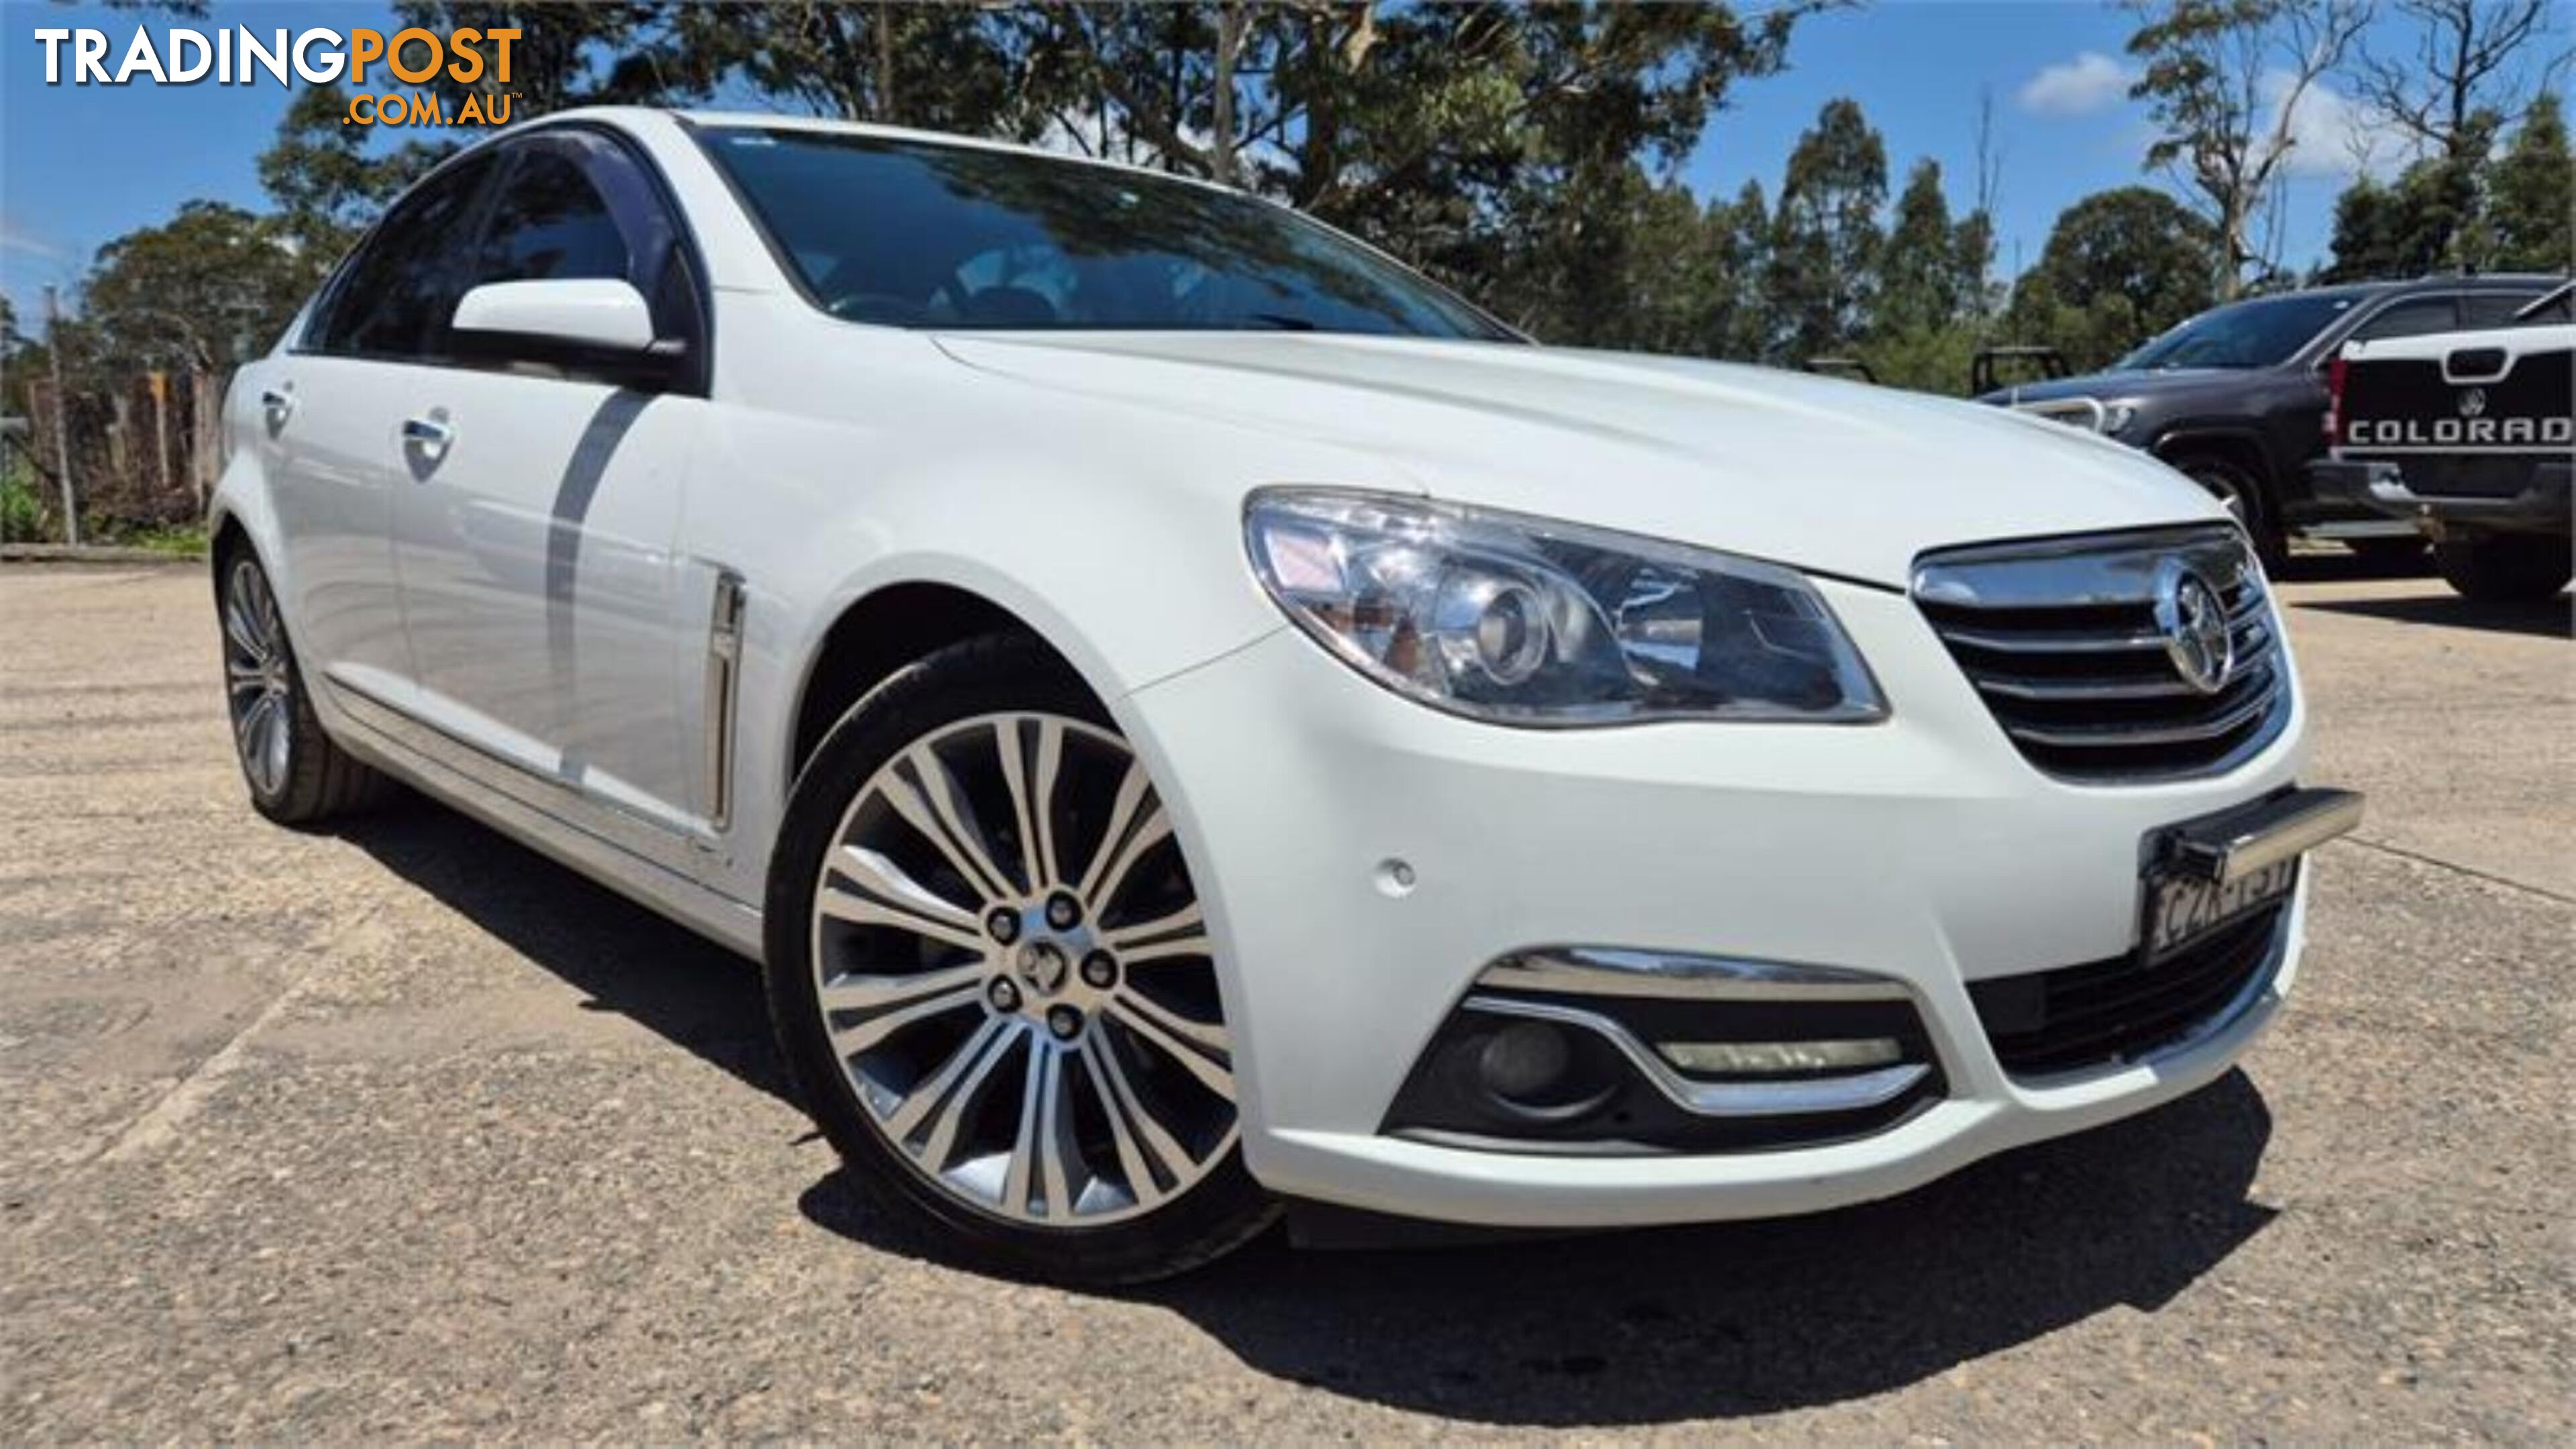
2331, 134
2088, 83
14, 239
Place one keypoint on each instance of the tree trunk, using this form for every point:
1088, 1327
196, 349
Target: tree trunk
205, 433
885, 63
1230, 21
160, 433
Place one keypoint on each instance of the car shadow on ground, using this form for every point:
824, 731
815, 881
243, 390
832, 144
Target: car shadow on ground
1613, 1329
2341, 565
626, 959
1675, 1324
2548, 619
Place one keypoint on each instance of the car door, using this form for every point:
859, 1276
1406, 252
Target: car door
332, 405
536, 534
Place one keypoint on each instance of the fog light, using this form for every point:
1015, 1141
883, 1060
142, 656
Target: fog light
1522, 1061
1772, 1058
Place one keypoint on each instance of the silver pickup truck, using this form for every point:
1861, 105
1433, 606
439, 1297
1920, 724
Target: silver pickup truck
2472, 437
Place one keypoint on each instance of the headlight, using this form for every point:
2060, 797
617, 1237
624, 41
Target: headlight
2117, 416
1527, 621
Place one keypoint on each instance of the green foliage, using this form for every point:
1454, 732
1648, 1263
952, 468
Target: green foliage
329, 179
23, 518
1825, 236
2120, 267
1522, 153
1921, 285
1734, 315
178, 540
325, 181
1925, 358
937, 67
207, 289
2221, 80
2468, 208
2533, 194
1525, 154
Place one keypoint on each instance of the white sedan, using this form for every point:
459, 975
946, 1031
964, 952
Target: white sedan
1197, 719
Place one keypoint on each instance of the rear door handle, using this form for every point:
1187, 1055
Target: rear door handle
276, 402
431, 434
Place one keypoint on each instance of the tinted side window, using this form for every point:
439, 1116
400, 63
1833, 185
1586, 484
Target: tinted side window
2410, 318
575, 204
394, 298
549, 222
2496, 309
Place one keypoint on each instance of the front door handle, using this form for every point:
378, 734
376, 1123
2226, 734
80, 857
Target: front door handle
430, 434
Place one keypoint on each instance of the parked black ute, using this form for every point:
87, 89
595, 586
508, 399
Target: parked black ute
2236, 396
2471, 437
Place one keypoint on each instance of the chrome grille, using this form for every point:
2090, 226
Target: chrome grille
2062, 640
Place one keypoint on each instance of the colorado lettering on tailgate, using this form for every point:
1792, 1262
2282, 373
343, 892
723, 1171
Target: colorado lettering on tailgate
2532, 434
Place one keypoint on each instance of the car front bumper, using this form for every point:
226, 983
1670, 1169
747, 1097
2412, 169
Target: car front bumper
1362, 858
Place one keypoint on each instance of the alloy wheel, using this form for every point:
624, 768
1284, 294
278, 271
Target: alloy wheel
2230, 491
259, 683
1015, 978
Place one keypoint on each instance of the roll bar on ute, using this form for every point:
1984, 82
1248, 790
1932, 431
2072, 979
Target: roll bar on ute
1985, 374
1840, 367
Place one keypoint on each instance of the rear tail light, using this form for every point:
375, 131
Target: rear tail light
2334, 401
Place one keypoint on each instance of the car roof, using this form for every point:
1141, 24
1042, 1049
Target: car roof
2473, 281
2398, 287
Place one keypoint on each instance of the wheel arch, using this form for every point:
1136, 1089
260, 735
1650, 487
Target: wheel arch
2239, 446
228, 533
879, 631
240, 515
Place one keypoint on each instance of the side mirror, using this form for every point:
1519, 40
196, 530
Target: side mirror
556, 320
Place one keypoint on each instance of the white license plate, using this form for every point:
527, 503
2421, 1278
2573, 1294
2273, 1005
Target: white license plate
2183, 908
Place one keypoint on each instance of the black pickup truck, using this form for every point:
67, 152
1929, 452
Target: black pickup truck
2471, 437
2236, 396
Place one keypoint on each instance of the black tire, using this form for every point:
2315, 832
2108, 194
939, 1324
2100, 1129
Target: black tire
300, 776
2506, 568
994, 674
2388, 555
2228, 481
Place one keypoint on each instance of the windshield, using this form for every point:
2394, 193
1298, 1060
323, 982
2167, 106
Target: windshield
917, 235
2261, 333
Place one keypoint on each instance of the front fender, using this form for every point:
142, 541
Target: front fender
1111, 529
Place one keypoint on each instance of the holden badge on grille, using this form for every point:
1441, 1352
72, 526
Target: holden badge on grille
2194, 624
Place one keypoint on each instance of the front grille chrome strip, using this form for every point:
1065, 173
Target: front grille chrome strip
2069, 642
2063, 641
2121, 736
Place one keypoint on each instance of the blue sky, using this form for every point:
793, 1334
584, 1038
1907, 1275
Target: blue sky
80, 165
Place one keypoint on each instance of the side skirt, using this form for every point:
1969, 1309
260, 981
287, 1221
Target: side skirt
419, 756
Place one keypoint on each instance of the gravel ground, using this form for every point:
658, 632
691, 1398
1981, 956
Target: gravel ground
403, 1132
